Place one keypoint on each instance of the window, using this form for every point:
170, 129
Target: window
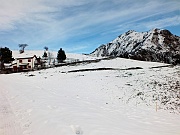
20, 61
29, 60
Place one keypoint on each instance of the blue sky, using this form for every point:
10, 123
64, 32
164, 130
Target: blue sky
80, 26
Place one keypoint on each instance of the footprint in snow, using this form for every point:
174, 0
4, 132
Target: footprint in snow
77, 129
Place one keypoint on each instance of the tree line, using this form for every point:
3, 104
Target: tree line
61, 56
6, 54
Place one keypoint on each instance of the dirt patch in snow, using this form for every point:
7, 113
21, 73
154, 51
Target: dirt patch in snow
99, 69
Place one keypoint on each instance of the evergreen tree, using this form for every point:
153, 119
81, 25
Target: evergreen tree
61, 56
6, 55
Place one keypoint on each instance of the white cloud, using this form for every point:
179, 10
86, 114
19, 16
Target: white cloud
49, 12
162, 23
47, 21
145, 26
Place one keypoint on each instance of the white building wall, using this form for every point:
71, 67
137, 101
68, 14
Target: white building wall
25, 61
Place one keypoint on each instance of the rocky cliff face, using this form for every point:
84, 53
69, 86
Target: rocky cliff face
155, 45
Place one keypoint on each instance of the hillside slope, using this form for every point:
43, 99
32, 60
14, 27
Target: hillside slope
125, 101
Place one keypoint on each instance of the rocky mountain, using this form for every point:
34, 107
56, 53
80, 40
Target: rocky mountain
155, 45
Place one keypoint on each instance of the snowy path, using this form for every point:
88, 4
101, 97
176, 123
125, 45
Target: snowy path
8, 123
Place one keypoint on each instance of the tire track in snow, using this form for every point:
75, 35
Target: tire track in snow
8, 123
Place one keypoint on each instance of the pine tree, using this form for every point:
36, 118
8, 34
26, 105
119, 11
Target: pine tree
61, 56
6, 55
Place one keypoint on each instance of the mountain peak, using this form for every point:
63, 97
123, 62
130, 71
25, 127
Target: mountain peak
130, 31
158, 45
155, 29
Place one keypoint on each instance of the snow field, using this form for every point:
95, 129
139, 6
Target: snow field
118, 102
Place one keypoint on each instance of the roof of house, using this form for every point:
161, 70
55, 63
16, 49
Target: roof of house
25, 57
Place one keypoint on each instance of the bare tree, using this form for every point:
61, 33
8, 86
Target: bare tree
50, 57
22, 47
46, 48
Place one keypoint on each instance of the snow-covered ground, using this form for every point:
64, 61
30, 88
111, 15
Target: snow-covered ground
124, 101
